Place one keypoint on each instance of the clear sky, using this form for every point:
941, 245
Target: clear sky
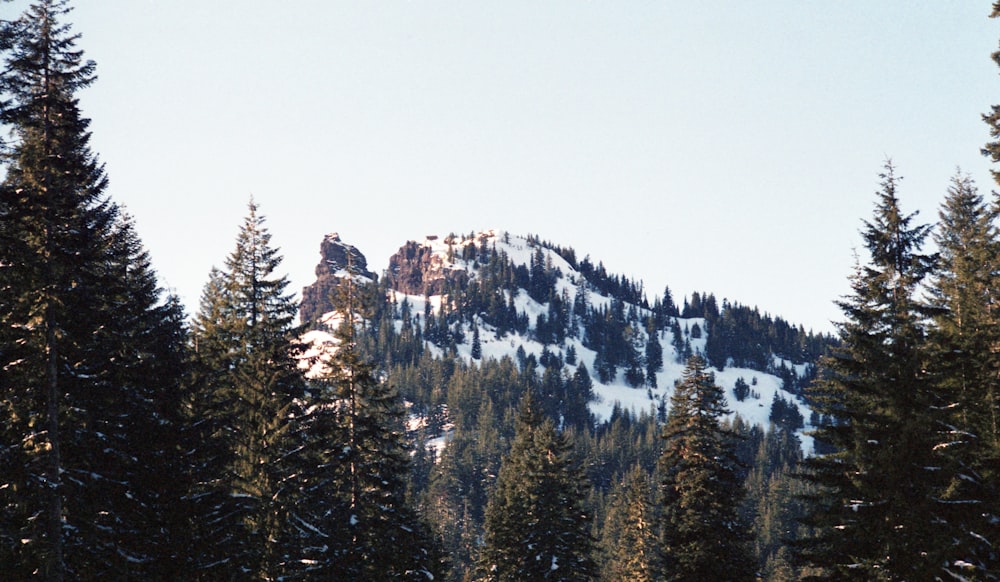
731, 147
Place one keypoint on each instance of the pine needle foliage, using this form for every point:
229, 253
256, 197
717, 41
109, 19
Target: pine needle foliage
352, 519
89, 378
963, 358
245, 384
874, 515
702, 536
536, 527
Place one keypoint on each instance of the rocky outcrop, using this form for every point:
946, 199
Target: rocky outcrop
416, 269
336, 259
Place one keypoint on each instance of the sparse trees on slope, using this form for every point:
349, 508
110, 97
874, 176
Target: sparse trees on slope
246, 382
874, 516
700, 488
536, 528
86, 343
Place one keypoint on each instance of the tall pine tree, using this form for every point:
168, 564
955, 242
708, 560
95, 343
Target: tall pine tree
536, 527
700, 488
352, 520
89, 374
245, 386
964, 341
629, 538
875, 513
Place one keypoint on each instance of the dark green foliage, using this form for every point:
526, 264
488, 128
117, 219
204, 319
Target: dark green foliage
615, 335
88, 381
741, 389
654, 357
629, 545
351, 518
875, 513
774, 501
614, 286
245, 386
536, 527
963, 294
785, 414
477, 346
749, 339
700, 487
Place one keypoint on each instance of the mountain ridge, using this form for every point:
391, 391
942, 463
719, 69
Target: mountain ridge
493, 295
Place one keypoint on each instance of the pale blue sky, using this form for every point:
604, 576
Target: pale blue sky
731, 147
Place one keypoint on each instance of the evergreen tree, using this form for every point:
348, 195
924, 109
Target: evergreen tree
477, 346
132, 430
351, 518
629, 539
992, 148
89, 372
654, 357
875, 515
536, 528
700, 488
964, 338
246, 382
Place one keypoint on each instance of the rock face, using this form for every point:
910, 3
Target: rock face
336, 256
416, 269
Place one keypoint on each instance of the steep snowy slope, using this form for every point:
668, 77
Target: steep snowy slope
427, 279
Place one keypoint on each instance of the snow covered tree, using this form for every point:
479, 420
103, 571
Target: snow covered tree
875, 515
90, 353
700, 488
245, 384
351, 518
964, 340
536, 528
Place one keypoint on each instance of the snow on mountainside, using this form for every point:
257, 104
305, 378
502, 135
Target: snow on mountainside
442, 260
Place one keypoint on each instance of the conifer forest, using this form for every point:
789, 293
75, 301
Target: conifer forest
490, 408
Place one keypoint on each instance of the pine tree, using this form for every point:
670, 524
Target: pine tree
654, 356
352, 517
477, 347
245, 386
89, 350
536, 528
631, 548
875, 515
992, 148
130, 436
700, 488
964, 338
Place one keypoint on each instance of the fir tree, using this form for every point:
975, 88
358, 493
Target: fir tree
875, 515
477, 347
89, 349
351, 518
246, 383
700, 488
654, 357
992, 148
629, 541
964, 337
536, 528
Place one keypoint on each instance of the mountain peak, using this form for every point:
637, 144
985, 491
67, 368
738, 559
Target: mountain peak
337, 259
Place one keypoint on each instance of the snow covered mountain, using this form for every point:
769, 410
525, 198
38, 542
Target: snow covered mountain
494, 295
